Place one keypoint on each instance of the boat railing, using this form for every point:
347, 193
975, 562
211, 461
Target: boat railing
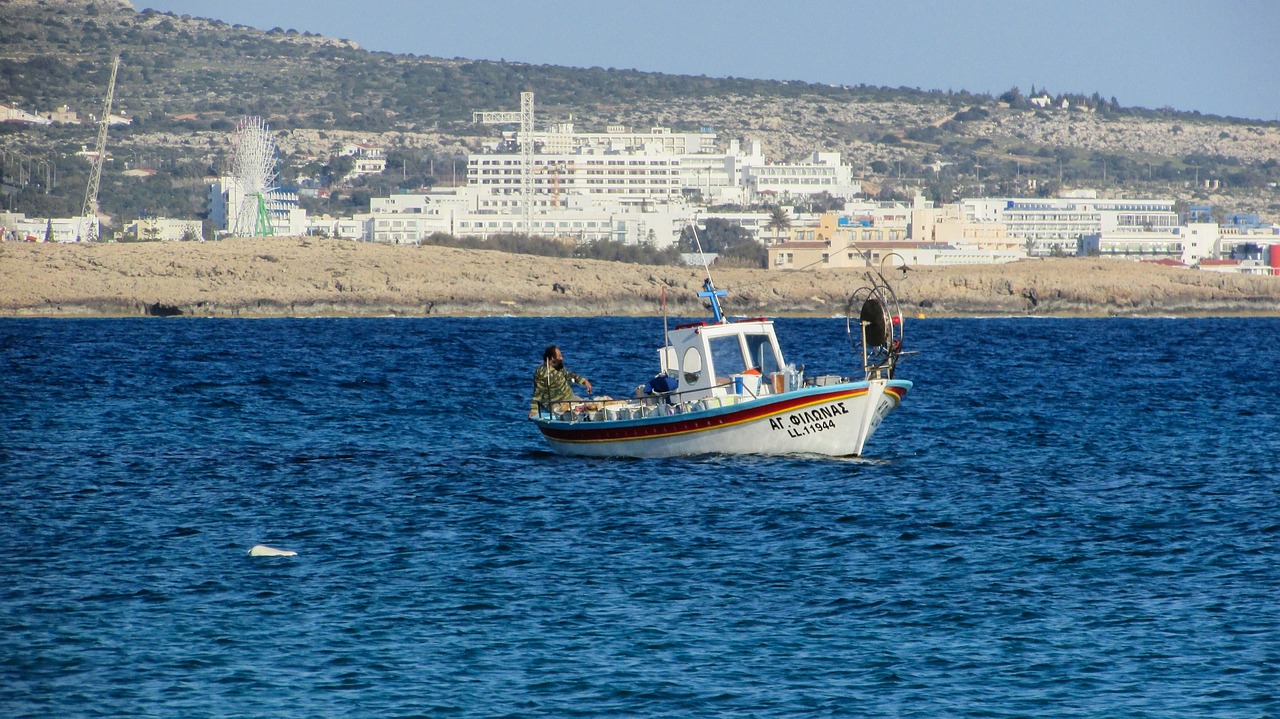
655, 404
662, 404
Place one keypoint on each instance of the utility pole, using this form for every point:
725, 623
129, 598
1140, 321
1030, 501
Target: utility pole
525, 118
89, 214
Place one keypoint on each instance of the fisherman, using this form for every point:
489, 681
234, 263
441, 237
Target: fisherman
551, 382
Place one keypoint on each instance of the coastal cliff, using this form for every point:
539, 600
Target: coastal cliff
323, 277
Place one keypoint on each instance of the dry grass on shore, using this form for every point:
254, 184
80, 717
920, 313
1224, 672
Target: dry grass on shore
308, 276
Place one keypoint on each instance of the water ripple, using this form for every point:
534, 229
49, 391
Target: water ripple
1072, 527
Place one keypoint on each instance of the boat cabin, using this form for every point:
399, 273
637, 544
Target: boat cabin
739, 360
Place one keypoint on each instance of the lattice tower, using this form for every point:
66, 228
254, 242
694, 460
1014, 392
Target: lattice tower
89, 213
525, 118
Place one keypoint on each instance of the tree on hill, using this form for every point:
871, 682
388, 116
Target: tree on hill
734, 245
1014, 97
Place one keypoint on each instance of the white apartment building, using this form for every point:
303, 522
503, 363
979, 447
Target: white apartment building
823, 173
720, 178
631, 177
1237, 241
368, 159
16, 226
164, 229
225, 200
563, 138
474, 212
1189, 244
617, 185
350, 228
1055, 225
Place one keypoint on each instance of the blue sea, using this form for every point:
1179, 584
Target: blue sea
1065, 518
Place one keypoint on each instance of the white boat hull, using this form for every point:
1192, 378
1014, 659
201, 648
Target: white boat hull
835, 420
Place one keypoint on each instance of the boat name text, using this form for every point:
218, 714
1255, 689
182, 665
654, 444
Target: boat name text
810, 420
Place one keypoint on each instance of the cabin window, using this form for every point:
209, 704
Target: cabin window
760, 349
691, 365
726, 356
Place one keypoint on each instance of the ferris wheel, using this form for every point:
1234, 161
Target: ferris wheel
253, 167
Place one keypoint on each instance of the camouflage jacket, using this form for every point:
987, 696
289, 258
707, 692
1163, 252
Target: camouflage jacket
552, 385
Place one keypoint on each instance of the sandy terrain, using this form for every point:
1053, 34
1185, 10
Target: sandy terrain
315, 277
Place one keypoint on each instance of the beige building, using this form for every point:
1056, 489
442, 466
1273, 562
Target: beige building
811, 254
13, 114
842, 241
879, 238
63, 116
948, 225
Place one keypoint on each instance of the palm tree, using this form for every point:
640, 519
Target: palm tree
779, 220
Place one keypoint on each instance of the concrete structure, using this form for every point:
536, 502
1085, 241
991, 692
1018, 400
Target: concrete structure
948, 225
164, 229
643, 171
472, 212
1247, 242
19, 227
368, 159
719, 177
287, 218
1133, 245
1048, 226
563, 138
637, 177
881, 255
868, 237
620, 185
8, 113
63, 116
755, 223
350, 228
1191, 244
824, 173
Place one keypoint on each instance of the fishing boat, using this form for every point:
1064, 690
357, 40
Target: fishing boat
724, 386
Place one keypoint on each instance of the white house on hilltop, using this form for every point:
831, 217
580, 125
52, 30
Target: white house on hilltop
369, 159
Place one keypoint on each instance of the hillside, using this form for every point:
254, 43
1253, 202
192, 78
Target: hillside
185, 80
311, 277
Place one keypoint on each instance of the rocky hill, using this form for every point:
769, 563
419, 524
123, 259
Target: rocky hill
185, 80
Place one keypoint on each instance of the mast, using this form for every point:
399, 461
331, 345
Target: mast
89, 213
709, 288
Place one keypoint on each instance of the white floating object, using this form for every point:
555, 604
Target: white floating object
262, 550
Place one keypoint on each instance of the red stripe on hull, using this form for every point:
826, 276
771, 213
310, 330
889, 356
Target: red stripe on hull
665, 427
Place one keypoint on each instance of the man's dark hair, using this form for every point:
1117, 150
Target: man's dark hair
549, 353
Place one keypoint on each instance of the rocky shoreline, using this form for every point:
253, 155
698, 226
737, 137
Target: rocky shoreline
310, 277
